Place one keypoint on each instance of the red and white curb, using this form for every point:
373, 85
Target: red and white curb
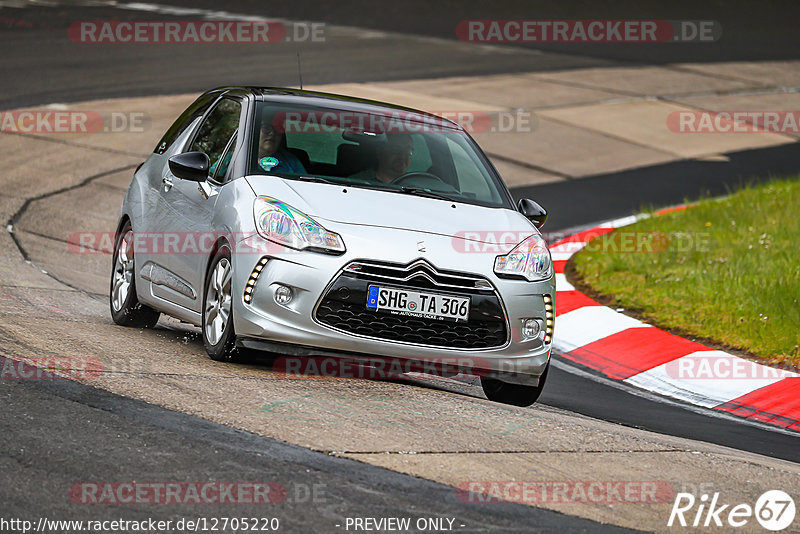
630, 351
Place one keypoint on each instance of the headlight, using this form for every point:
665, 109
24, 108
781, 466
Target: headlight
530, 260
283, 224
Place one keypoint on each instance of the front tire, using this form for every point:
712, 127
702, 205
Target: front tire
219, 337
126, 310
514, 394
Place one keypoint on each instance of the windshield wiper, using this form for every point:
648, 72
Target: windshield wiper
311, 179
426, 193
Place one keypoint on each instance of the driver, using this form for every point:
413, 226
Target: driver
394, 157
273, 156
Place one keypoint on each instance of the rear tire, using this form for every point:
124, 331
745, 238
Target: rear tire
514, 394
126, 310
219, 337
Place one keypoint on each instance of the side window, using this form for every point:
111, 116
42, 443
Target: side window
216, 130
194, 111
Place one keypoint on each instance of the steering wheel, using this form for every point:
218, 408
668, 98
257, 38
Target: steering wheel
426, 175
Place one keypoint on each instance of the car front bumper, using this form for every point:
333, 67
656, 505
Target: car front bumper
293, 328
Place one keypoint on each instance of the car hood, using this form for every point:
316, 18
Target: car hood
368, 207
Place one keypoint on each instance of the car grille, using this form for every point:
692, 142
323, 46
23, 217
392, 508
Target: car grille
343, 306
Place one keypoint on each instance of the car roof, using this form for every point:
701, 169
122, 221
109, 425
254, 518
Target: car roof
339, 102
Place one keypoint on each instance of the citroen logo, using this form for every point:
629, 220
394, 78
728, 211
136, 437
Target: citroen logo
421, 246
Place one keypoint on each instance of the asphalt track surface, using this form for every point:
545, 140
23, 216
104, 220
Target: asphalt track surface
40, 67
121, 435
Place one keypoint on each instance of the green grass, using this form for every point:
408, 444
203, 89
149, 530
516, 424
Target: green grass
726, 271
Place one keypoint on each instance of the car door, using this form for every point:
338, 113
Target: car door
186, 209
148, 221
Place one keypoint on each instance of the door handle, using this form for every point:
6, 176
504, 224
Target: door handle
167, 181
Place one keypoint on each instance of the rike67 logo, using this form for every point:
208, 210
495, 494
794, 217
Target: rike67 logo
774, 510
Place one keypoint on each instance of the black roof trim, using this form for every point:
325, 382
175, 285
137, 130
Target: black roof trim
331, 100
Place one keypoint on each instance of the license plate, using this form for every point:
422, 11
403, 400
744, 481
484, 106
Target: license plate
418, 304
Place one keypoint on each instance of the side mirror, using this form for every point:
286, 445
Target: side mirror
192, 166
532, 211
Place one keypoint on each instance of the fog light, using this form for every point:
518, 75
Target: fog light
530, 328
283, 295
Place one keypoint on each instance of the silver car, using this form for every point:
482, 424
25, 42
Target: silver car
310, 224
